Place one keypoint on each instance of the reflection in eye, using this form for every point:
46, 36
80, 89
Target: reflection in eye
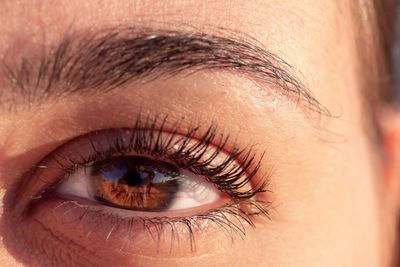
139, 183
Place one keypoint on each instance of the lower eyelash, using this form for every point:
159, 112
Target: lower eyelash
231, 219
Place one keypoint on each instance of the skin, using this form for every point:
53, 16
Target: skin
334, 200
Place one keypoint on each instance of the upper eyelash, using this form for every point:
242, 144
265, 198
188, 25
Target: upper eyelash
147, 138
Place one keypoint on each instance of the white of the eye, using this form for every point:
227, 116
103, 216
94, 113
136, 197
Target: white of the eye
194, 190
77, 184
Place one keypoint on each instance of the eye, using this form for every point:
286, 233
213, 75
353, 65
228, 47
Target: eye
149, 188
139, 183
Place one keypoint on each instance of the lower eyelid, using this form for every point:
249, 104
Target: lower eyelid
145, 236
113, 211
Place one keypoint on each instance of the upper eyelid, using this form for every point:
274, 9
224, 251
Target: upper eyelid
46, 172
249, 165
237, 187
65, 156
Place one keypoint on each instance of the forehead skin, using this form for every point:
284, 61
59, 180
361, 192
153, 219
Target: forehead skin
328, 208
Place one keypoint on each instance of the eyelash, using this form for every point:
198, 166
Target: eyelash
233, 174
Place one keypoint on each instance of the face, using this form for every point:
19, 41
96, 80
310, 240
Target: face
166, 133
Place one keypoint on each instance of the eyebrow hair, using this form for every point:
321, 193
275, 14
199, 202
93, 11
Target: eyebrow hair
103, 60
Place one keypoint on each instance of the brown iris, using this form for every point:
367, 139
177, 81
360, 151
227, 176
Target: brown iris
135, 183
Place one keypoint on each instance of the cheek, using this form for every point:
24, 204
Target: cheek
328, 203
351, 216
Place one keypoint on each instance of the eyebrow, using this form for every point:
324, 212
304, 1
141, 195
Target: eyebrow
103, 60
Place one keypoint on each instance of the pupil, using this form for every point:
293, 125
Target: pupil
133, 178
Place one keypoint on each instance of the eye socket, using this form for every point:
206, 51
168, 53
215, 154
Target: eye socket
141, 184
